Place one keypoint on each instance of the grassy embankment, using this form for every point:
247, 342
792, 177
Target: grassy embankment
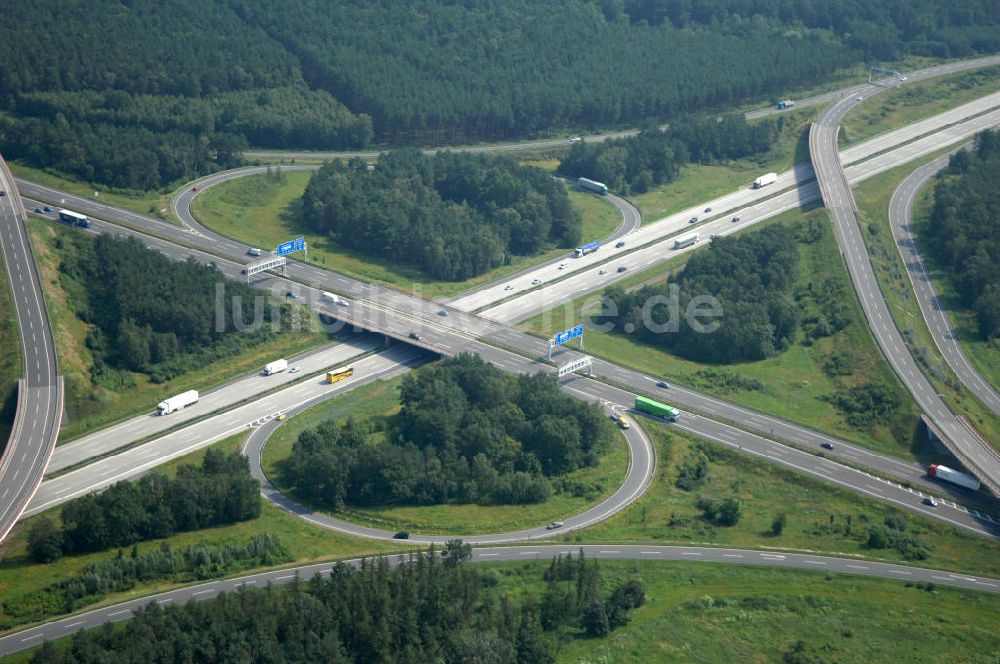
10, 358
792, 384
873, 198
144, 202
820, 517
379, 400
306, 543
91, 407
259, 210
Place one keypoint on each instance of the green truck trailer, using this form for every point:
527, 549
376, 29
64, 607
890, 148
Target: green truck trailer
644, 405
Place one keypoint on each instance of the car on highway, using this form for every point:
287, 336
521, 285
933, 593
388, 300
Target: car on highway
291, 295
619, 244
554, 525
536, 281
708, 209
508, 287
713, 236
295, 369
736, 220
902, 78
693, 220
930, 501
342, 302
402, 534
575, 139
48, 208
442, 312
197, 187
622, 268
562, 266
602, 271
415, 336
826, 446
664, 384
281, 417
38, 210
2, 192
859, 98
254, 251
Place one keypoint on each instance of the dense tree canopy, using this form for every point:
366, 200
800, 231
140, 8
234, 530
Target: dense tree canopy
466, 432
751, 276
424, 611
154, 315
964, 232
653, 157
453, 215
141, 94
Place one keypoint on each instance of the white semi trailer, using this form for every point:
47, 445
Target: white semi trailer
277, 366
949, 475
182, 400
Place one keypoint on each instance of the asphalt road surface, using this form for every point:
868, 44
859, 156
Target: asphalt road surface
901, 222
983, 460
40, 392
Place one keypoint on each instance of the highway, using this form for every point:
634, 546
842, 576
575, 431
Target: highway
40, 391
134, 461
982, 459
901, 222
459, 331
149, 424
34, 636
654, 243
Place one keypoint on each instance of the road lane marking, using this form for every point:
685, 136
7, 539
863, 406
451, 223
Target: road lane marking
33, 636
74, 624
119, 613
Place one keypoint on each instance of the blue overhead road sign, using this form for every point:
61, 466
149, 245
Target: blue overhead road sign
572, 333
285, 248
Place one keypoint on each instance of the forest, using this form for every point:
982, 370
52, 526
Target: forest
635, 164
428, 610
466, 433
220, 491
752, 276
153, 315
141, 95
962, 233
453, 215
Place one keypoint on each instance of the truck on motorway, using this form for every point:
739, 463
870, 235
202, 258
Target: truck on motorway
786, 103
949, 475
764, 180
588, 248
650, 407
593, 185
277, 366
687, 240
182, 400
338, 375
74, 218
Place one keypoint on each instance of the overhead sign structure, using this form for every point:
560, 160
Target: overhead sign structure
585, 362
264, 265
285, 248
563, 337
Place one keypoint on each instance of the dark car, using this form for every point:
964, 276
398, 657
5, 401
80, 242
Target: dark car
622, 268
402, 534
442, 313
414, 335
827, 446
38, 210
664, 384
48, 208
620, 244
2, 192
693, 220
930, 502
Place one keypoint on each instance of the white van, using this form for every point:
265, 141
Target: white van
327, 297
254, 251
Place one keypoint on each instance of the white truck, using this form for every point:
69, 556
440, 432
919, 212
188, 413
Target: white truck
949, 475
765, 180
277, 366
687, 240
182, 400
593, 185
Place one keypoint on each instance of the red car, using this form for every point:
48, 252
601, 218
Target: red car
197, 187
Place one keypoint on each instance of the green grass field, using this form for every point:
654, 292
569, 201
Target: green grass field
910, 102
259, 210
820, 517
704, 612
306, 543
10, 359
92, 407
873, 198
378, 400
150, 202
793, 382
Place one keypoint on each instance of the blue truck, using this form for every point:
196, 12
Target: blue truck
588, 248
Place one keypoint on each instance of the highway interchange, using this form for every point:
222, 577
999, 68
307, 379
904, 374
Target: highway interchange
396, 314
